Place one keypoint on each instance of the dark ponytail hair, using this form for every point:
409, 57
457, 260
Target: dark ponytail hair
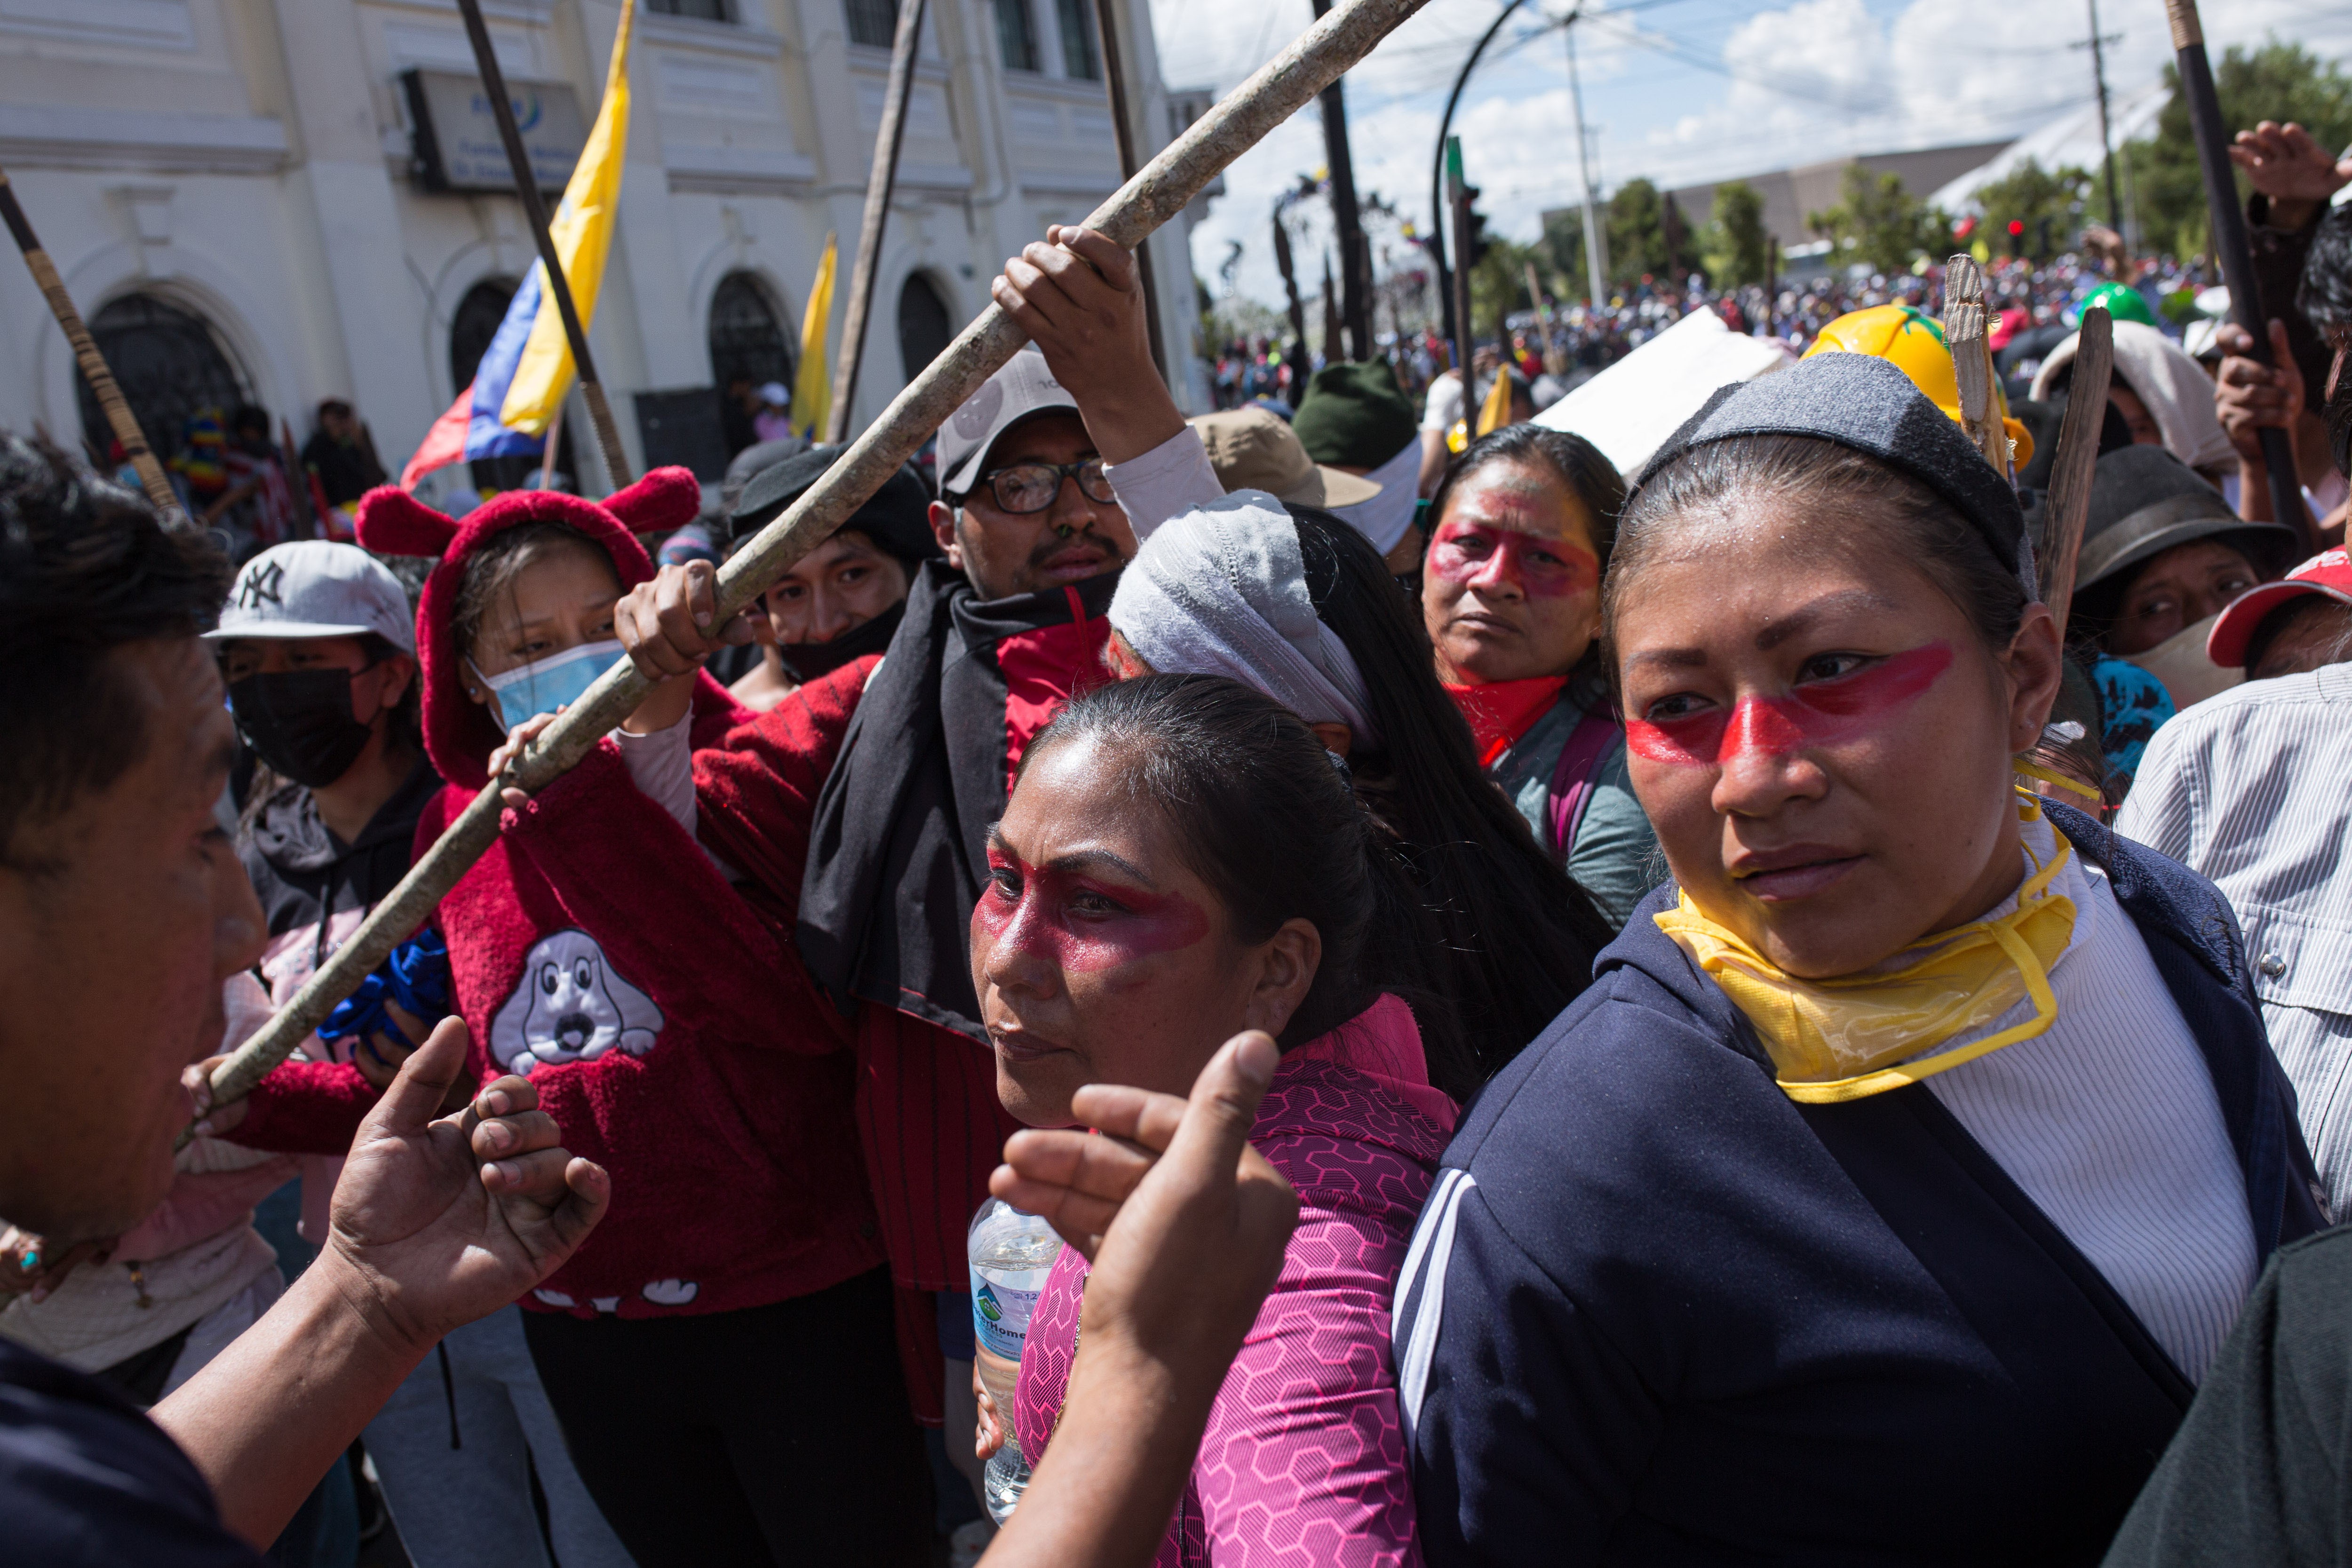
1264, 814
1516, 936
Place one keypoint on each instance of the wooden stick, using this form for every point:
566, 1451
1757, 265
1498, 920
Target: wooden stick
1964, 334
2078, 452
1543, 311
880, 179
118, 418
534, 207
2227, 223
1123, 126
1158, 193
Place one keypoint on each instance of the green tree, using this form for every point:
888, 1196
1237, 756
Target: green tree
1880, 222
1734, 241
2029, 193
1637, 232
1498, 285
2278, 81
1563, 246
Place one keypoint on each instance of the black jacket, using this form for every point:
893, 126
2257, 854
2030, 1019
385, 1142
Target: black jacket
1660, 1313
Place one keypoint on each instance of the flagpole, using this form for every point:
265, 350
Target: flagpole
1157, 192
118, 418
879, 183
534, 207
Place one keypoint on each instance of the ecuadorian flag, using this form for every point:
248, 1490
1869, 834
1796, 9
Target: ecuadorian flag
517, 390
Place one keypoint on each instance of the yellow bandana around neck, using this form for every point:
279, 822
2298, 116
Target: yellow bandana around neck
1859, 1035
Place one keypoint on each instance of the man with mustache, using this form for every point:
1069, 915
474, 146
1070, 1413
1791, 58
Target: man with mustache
861, 805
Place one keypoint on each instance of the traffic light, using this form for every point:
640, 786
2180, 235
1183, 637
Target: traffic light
1477, 225
2017, 237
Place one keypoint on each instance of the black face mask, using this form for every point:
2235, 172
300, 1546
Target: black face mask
812, 660
300, 724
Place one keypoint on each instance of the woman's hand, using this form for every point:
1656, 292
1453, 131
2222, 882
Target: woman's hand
211, 1120
518, 741
1077, 296
990, 1435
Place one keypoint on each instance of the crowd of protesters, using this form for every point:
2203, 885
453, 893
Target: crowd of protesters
1720, 1024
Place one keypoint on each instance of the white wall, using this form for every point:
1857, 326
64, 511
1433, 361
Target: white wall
248, 159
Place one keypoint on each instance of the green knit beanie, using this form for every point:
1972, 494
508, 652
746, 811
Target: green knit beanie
1354, 416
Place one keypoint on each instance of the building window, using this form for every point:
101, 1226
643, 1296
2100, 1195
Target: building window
170, 367
872, 22
700, 10
1016, 34
925, 329
748, 349
1080, 59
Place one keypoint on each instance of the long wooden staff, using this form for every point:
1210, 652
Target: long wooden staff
879, 182
119, 417
2078, 450
2227, 225
534, 207
1155, 195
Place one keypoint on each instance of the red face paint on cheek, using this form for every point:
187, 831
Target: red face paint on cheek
1818, 713
1080, 924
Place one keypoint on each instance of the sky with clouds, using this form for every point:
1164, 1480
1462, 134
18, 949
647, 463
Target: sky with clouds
1682, 91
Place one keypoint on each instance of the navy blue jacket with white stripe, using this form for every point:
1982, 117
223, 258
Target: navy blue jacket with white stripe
1657, 1313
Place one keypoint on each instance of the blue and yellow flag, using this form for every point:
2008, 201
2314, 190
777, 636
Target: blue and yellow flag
583, 232
812, 387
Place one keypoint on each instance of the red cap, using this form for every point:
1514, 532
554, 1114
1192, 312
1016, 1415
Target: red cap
2328, 573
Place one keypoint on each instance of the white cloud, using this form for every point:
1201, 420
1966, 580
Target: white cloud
1674, 99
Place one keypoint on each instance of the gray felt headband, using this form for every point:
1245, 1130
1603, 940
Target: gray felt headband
1866, 402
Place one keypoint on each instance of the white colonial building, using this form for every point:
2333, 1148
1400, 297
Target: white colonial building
242, 201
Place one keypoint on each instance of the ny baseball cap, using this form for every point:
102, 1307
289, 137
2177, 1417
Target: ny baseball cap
315, 588
1022, 389
2330, 574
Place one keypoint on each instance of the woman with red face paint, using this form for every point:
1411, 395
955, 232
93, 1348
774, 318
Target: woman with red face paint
1510, 592
1898, 1178
1180, 861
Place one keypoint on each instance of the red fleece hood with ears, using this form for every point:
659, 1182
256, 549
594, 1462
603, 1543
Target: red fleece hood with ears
459, 733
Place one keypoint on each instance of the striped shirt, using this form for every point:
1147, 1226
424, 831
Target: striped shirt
2253, 789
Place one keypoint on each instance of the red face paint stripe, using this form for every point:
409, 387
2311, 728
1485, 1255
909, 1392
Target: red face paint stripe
1818, 713
1044, 923
1471, 554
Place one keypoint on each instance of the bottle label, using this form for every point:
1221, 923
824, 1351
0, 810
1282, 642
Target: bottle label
1000, 1307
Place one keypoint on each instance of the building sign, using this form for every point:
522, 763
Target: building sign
456, 140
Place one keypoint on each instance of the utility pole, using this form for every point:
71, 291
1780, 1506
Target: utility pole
2096, 44
1355, 256
1596, 243
1457, 193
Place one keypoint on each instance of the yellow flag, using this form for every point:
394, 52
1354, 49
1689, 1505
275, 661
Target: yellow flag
812, 388
1497, 411
583, 232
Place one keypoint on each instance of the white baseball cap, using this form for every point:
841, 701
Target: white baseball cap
1021, 388
315, 588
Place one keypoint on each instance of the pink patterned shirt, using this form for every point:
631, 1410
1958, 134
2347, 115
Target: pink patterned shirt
1304, 1460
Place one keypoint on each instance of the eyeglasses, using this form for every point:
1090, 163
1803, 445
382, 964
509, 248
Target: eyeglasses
1032, 487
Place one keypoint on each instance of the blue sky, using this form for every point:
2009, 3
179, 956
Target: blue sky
1680, 90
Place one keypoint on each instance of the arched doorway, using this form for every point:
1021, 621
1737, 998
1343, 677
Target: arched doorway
471, 327
749, 348
925, 329
170, 364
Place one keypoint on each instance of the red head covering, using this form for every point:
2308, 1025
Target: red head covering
459, 733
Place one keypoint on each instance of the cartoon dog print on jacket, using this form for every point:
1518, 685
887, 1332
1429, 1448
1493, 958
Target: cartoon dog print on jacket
570, 1006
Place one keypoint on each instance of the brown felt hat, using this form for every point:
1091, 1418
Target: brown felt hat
1255, 449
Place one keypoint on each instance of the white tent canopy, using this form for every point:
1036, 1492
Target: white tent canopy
1630, 409
2071, 138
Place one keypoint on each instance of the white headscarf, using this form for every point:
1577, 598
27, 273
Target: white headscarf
1385, 517
1221, 589
2178, 392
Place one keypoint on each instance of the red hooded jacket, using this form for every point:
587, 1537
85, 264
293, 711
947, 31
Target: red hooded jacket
666, 1023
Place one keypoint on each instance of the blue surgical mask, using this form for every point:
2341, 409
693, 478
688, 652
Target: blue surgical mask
556, 681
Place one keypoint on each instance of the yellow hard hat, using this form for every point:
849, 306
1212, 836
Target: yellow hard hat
1913, 341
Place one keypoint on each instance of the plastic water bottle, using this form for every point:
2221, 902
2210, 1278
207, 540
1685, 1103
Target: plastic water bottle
1012, 1253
